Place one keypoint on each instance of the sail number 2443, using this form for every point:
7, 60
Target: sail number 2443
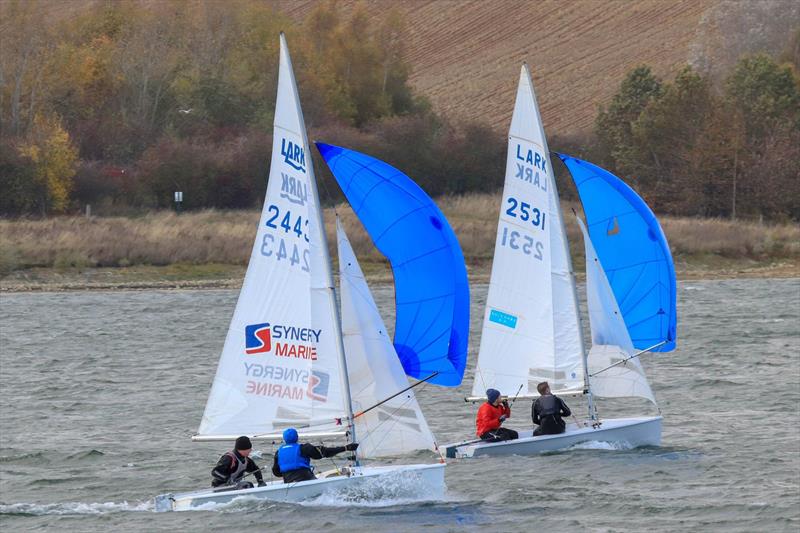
278, 247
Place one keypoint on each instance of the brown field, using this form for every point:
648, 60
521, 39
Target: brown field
217, 244
465, 55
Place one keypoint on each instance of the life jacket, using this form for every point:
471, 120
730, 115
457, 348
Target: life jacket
289, 458
238, 468
549, 405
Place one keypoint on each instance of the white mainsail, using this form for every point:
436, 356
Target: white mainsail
611, 342
531, 329
397, 426
280, 365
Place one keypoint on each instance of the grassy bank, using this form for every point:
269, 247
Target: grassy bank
213, 246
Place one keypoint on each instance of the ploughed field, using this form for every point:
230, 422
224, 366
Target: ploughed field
465, 55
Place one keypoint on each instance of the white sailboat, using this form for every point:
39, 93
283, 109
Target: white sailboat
532, 329
284, 361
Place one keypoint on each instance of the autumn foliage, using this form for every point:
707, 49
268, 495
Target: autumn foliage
119, 104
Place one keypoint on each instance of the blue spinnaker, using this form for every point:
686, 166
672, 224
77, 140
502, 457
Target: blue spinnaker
431, 290
633, 251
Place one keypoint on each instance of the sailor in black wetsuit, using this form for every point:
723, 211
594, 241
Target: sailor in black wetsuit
547, 412
232, 466
293, 460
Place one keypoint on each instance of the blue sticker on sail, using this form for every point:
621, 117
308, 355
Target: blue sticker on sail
504, 319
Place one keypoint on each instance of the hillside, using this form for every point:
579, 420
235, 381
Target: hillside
465, 55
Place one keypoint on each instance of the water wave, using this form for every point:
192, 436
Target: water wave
601, 445
72, 508
332, 499
327, 499
91, 454
21, 457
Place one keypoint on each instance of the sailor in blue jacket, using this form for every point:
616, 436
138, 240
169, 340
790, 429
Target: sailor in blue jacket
293, 460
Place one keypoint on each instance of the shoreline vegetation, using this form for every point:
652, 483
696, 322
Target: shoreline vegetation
210, 249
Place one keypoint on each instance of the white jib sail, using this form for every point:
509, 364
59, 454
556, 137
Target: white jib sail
530, 331
279, 366
611, 342
398, 426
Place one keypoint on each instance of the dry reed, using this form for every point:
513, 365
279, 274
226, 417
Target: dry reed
226, 237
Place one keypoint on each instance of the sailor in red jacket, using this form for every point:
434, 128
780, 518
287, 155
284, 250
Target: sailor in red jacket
491, 416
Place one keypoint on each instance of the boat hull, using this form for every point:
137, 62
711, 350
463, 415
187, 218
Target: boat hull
424, 482
630, 432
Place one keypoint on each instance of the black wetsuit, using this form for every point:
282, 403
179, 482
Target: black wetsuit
547, 412
225, 473
311, 452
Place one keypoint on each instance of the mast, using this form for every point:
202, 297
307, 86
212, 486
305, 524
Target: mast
584, 353
330, 289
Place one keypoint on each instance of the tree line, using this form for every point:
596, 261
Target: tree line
699, 150
120, 105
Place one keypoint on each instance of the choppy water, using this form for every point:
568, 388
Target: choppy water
99, 393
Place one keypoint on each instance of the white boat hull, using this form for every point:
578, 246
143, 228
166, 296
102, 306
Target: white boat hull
423, 482
629, 432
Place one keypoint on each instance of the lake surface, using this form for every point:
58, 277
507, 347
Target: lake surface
101, 391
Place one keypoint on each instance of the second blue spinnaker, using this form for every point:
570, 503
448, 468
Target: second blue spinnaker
431, 289
633, 251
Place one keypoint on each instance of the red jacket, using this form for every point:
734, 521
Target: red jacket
489, 417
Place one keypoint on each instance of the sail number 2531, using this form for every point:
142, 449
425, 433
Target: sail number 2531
525, 212
524, 243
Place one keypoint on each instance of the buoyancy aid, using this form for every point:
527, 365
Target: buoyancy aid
238, 468
549, 405
290, 458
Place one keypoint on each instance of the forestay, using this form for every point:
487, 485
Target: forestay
610, 340
531, 330
398, 425
431, 291
279, 366
634, 251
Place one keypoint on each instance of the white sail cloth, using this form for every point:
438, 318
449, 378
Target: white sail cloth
397, 426
280, 366
531, 329
611, 342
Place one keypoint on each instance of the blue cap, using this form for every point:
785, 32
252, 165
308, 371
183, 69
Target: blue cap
492, 395
290, 435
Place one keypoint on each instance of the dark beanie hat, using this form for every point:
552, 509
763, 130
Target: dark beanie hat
492, 395
243, 443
